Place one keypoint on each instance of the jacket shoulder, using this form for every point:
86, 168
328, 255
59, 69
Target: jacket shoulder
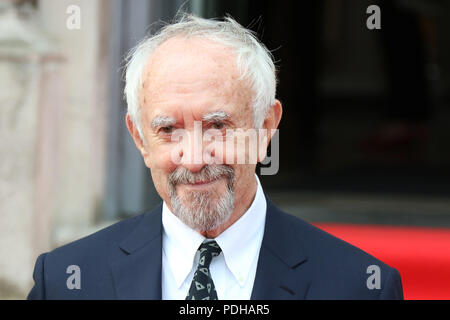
319, 244
90, 257
337, 268
101, 241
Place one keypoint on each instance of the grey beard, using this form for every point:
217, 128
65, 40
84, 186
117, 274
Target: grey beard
200, 211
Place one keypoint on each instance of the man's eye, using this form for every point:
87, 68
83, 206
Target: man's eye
167, 130
218, 125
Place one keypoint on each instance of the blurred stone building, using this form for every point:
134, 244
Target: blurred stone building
52, 147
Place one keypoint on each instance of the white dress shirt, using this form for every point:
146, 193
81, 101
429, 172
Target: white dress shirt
233, 271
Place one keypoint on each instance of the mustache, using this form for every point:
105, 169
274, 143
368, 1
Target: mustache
207, 174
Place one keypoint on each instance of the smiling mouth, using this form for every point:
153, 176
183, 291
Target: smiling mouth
202, 183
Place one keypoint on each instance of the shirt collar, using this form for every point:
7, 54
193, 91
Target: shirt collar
180, 244
240, 243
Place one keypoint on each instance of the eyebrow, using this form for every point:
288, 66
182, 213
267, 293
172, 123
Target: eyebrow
162, 121
216, 116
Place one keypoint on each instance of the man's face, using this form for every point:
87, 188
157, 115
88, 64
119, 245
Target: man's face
190, 84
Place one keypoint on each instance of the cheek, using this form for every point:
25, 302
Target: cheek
240, 149
161, 165
244, 175
161, 159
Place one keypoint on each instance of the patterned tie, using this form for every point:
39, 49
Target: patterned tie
202, 286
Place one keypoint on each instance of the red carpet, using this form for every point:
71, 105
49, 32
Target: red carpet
421, 255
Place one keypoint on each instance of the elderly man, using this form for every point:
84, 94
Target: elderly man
191, 90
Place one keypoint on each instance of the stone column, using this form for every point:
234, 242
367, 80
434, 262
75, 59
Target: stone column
30, 98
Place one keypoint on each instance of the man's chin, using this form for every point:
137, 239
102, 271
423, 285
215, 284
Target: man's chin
203, 210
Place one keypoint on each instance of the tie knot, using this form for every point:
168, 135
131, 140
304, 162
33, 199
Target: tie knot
208, 250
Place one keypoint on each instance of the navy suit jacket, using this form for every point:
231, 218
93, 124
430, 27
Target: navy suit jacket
296, 261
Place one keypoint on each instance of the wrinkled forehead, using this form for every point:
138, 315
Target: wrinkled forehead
196, 66
190, 60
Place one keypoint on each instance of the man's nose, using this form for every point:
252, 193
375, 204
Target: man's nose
193, 151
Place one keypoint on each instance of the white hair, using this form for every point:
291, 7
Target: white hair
254, 60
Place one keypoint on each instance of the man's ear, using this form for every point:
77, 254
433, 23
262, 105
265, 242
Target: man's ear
136, 137
270, 124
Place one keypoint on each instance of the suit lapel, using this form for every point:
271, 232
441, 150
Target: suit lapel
137, 270
281, 260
